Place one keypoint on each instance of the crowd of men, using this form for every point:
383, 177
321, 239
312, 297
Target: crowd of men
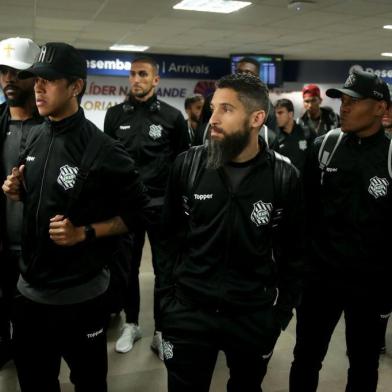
250, 215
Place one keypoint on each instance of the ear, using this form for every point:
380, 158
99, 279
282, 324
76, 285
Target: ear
156, 80
257, 119
77, 87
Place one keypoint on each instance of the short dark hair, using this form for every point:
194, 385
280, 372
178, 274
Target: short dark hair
192, 99
148, 60
73, 79
250, 60
252, 92
285, 103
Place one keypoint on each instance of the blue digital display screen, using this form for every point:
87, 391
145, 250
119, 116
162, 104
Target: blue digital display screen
271, 67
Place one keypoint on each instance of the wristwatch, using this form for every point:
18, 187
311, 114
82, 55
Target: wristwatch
89, 231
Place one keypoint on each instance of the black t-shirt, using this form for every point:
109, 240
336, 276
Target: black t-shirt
236, 171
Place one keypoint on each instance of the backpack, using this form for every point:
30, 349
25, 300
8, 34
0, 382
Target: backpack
330, 144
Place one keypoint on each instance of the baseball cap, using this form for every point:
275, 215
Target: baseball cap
362, 84
57, 60
311, 89
18, 53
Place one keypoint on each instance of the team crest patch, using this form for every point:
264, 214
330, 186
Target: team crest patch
303, 145
378, 187
67, 176
261, 213
155, 131
167, 349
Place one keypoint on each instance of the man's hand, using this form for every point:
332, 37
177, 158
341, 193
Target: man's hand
13, 184
62, 232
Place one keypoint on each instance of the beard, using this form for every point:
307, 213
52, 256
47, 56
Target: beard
19, 97
221, 152
141, 94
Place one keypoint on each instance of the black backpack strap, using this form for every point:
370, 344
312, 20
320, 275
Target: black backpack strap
263, 132
190, 167
280, 186
328, 147
189, 171
93, 149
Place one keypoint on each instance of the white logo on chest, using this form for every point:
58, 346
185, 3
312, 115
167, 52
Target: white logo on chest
303, 145
67, 176
125, 127
155, 131
378, 187
203, 196
29, 158
261, 213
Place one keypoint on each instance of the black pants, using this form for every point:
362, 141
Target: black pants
323, 304
192, 338
132, 299
43, 334
9, 272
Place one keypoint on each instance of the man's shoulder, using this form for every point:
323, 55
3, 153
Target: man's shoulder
168, 110
116, 109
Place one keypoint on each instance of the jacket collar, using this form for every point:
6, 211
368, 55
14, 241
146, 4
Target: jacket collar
66, 124
353, 138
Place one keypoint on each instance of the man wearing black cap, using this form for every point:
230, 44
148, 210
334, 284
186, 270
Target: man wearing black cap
74, 213
349, 199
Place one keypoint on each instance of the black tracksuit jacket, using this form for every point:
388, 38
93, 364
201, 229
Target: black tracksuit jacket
350, 212
111, 189
153, 134
220, 255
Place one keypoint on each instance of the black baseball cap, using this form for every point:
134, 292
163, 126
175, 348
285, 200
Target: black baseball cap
57, 60
362, 84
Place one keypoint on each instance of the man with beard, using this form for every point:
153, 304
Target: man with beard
153, 133
232, 261
193, 107
18, 115
349, 206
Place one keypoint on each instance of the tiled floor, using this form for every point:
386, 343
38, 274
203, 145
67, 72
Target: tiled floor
141, 371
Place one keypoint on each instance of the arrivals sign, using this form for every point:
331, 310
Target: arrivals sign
111, 63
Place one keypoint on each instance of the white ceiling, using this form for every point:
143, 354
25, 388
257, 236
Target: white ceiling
328, 29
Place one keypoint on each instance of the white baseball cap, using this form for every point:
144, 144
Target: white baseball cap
18, 53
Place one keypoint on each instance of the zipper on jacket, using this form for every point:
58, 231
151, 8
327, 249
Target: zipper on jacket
227, 184
43, 179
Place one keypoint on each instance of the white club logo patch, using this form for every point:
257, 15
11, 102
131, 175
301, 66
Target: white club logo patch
378, 187
167, 349
155, 131
261, 213
303, 145
67, 176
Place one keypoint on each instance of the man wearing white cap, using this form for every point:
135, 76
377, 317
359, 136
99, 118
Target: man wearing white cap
18, 115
